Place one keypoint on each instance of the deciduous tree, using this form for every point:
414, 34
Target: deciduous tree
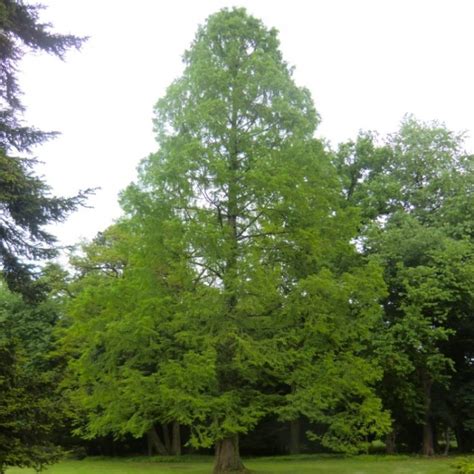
415, 192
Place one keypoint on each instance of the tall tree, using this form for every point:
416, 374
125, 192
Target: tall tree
415, 193
27, 405
27, 205
262, 281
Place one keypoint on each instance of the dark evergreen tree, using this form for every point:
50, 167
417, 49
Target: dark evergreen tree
30, 407
26, 202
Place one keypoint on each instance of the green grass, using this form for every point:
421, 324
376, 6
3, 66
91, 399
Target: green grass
275, 465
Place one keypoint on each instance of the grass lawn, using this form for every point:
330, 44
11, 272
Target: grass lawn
283, 465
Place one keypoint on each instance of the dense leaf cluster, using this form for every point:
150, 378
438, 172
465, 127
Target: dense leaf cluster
416, 195
30, 408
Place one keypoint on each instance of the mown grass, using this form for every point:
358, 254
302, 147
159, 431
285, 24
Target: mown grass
274, 465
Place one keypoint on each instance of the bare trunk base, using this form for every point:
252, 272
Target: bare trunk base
155, 443
295, 430
228, 457
428, 439
447, 441
428, 446
176, 439
391, 443
166, 437
149, 445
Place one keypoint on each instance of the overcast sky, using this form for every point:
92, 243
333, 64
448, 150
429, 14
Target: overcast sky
366, 63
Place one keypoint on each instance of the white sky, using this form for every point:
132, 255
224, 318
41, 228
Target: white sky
366, 62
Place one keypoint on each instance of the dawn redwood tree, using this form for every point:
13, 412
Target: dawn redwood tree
255, 216
26, 203
239, 294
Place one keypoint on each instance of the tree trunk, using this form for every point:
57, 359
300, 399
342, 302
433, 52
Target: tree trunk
228, 457
428, 445
155, 441
435, 437
295, 431
447, 440
176, 439
390, 442
166, 437
149, 445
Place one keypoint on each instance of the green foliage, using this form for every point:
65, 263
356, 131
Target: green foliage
231, 289
27, 204
415, 194
464, 466
29, 408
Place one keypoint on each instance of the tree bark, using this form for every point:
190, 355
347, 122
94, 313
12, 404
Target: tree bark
295, 431
176, 439
166, 437
447, 440
428, 445
390, 442
428, 448
227, 458
149, 445
435, 436
155, 441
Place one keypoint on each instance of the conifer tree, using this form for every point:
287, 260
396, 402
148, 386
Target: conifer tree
27, 204
242, 275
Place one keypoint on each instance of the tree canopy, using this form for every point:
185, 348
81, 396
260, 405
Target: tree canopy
415, 192
242, 283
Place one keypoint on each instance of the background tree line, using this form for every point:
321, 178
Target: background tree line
262, 291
